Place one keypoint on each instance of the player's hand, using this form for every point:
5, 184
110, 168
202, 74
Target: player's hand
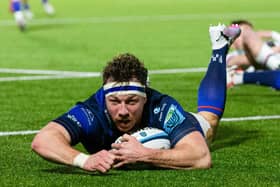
101, 161
128, 151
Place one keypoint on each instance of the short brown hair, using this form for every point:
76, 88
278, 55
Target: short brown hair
242, 22
123, 68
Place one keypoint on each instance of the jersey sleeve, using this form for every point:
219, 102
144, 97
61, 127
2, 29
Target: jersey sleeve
176, 122
78, 121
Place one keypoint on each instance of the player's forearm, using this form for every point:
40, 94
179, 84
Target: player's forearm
177, 159
265, 34
238, 60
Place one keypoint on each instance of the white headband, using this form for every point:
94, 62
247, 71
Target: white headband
124, 88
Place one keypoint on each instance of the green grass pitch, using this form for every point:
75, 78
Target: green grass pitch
83, 36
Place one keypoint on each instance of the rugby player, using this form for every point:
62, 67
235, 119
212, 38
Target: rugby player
21, 11
125, 104
254, 50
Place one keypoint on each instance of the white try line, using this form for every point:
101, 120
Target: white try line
52, 74
248, 118
150, 18
14, 133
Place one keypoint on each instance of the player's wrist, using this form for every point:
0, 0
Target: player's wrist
80, 160
148, 155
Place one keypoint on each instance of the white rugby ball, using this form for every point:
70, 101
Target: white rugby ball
150, 137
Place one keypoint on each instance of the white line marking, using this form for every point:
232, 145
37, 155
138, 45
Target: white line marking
45, 72
183, 70
43, 77
55, 72
18, 133
248, 118
59, 21
251, 118
52, 74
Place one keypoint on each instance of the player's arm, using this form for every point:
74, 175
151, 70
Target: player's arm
269, 34
189, 152
53, 143
238, 60
264, 34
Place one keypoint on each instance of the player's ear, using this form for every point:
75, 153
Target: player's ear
145, 100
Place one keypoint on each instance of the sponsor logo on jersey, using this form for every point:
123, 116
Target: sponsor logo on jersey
143, 134
74, 119
161, 111
218, 58
90, 116
173, 118
156, 110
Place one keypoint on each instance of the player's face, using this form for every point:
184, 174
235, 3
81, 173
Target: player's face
125, 110
238, 43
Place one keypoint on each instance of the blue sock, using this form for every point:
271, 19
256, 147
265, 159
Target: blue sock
265, 78
212, 90
16, 5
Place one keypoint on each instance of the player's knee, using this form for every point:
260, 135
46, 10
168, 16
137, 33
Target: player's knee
212, 118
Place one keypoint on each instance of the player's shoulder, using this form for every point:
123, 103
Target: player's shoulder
163, 108
156, 97
96, 102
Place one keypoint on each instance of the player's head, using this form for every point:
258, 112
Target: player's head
124, 83
123, 68
244, 25
242, 22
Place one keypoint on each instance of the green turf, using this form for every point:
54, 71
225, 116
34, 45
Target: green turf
164, 34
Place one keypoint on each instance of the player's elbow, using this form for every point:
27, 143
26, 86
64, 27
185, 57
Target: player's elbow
204, 161
38, 143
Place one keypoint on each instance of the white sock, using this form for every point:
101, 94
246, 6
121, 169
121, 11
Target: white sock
238, 78
275, 36
264, 53
268, 58
273, 62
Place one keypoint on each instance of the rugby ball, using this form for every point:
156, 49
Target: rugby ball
150, 137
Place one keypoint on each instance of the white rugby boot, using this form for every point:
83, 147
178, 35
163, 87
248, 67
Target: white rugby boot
221, 35
48, 8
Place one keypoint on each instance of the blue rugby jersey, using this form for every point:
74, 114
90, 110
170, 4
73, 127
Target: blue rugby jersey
89, 123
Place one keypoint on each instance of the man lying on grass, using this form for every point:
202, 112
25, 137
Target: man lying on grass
125, 104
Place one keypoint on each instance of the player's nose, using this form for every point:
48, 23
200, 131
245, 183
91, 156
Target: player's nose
123, 111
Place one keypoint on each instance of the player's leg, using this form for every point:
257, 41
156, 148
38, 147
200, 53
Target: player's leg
26, 9
212, 90
15, 6
235, 59
270, 78
49, 9
257, 50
